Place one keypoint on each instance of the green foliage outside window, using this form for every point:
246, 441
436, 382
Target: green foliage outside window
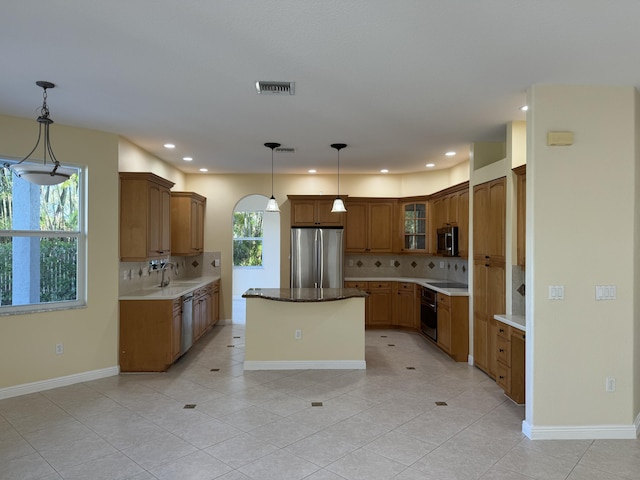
247, 239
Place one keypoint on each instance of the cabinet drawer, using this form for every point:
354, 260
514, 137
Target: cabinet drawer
405, 286
503, 377
444, 299
177, 305
360, 285
503, 350
379, 285
503, 330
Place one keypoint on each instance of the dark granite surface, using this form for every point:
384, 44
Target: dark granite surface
304, 294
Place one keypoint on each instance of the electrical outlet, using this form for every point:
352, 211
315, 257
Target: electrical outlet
59, 348
611, 384
441, 264
391, 263
298, 335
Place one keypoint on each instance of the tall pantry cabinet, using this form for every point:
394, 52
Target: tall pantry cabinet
489, 218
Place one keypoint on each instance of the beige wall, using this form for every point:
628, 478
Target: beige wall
89, 335
582, 201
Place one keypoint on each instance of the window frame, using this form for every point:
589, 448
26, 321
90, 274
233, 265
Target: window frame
261, 239
81, 236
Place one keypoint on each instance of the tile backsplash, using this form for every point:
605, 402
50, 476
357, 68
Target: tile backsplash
136, 275
420, 266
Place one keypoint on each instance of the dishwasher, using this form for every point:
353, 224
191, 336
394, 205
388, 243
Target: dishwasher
187, 323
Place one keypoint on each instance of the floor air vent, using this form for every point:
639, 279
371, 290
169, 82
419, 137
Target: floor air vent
276, 88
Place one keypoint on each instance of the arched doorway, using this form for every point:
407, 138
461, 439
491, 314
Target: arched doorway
256, 250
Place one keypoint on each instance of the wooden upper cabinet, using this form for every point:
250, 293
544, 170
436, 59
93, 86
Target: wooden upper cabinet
414, 227
489, 217
451, 207
145, 216
309, 211
369, 226
187, 223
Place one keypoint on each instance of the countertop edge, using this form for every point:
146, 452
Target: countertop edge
278, 294
515, 321
452, 292
172, 291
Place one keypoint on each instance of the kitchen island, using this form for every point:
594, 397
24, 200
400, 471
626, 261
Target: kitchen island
304, 328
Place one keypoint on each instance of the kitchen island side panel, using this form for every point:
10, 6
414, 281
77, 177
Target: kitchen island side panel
329, 331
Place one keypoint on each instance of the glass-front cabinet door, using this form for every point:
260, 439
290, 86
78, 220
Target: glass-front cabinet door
415, 227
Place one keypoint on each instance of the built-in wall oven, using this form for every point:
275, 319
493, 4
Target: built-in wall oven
429, 313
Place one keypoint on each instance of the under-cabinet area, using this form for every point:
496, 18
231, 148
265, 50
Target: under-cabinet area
158, 325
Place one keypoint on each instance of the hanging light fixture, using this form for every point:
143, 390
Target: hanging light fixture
272, 204
338, 204
50, 173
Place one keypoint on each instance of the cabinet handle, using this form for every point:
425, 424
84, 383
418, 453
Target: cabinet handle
501, 377
501, 330
501, 350
487, 256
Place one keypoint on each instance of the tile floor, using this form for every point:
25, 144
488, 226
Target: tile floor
381, 423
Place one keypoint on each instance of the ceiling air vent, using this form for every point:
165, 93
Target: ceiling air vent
276, 88
286, 149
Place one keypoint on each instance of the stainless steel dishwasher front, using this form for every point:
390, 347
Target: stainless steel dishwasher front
187, 323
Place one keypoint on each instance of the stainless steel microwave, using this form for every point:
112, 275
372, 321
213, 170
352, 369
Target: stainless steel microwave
448, 241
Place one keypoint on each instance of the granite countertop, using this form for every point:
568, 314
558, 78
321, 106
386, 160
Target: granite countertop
458, 290
304, 294
516, 321
175, 289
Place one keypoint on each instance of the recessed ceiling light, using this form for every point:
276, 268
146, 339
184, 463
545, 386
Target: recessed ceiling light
313, 170
187, 159
169, 145
384, 170
204, 169
524, 108
430, 165
450, 154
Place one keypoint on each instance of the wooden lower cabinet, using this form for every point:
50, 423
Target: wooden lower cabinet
406, 305
509, 353
488, 300
150, 334
453, 326
151, 330
397, 305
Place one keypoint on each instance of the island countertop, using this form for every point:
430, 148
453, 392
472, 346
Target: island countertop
304, 294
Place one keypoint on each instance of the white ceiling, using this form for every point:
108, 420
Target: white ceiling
402, 82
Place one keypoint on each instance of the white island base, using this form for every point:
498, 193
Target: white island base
302, 335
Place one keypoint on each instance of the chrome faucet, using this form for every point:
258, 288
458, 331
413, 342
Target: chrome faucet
163, 282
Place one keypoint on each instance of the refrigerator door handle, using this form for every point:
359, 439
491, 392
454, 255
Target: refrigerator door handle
319, 259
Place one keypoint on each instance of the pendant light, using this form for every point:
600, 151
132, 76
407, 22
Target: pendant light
272, 204
338, 204
51, 173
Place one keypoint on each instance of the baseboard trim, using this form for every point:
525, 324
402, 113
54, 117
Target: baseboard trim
43, 385
470, 360
583, 432
306, 365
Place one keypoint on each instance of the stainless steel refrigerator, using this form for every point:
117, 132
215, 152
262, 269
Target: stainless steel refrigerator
316, 257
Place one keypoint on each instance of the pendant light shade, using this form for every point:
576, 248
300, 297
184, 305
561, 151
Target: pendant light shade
272, 204
50, 173
338, 204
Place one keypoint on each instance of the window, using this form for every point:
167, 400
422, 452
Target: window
247, 239
42, 244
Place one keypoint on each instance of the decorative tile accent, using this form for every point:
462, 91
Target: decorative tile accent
464, 269
359, 263
414, 264
448, 266
378, 264
455, 267
213, 263
194, 264
140, 272
431, 265
396, 263
521, 289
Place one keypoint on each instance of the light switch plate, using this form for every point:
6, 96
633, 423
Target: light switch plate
556, 292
